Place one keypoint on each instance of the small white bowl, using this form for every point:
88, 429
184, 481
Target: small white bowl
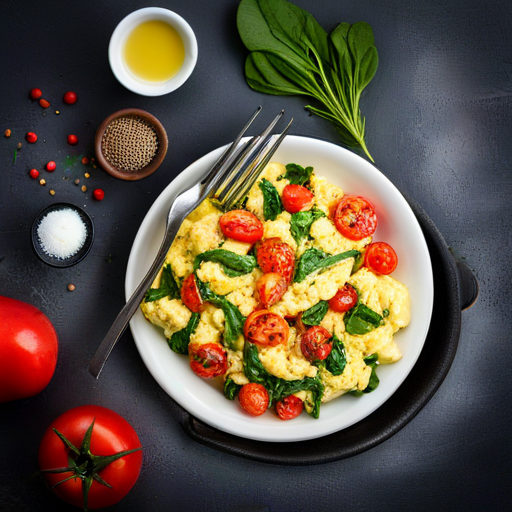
118, 40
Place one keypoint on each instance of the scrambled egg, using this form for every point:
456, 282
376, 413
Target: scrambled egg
384, 295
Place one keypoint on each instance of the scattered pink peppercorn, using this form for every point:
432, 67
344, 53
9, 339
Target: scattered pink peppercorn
44, 103
69, 98
34, 173
35, 94
31, 137
51, 166
72, 140
98, 194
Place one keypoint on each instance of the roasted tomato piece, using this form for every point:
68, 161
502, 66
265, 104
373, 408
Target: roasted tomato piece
381, 258
266, 329
289, 407
254, 398
345, 299
297, 198
207, 360
274, 255
270, 288
242, 226
355, 217
190, 294
316, 344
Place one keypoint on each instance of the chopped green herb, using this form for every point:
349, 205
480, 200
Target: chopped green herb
179, 341
272, 205
361, 320
315, 314
233, 264
315, 259
301, 222
168, 287
297, 175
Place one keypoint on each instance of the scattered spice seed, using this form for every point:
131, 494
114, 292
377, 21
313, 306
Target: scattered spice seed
31, 137
51, 166
98, 194
34, 173
85, 160
87, 175
42, 182
71, 287
44, 103
84, 188
72, 140
77, 181
57, 112
7, 132
35, 94
19, 145
69, 98
52, 192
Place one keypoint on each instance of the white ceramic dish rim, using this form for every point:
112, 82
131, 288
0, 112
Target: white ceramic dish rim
397, 225
118, 39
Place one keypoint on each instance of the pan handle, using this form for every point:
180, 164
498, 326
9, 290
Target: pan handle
468, 285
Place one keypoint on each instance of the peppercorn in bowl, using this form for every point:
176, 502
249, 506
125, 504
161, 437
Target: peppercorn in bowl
277, 333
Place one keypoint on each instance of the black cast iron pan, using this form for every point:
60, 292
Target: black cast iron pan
455, 289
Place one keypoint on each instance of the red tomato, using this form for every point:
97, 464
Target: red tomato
270, 288
208, 360
289, 407
242, 226
190, 295
274, 255
315, 344
266, 329
355, 217
381, 258
111, 434
28, 350
345, 299
297, 198
254, 398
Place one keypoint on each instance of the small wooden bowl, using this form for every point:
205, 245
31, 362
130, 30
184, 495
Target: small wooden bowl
163, 143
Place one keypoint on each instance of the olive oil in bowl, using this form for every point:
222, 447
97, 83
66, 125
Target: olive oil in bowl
154, 51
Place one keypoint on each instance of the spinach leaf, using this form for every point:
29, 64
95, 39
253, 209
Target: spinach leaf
272, 205
301, 222
231, 389
279, 388
337, 359
297, 175
234, 320
373, 361
168, 287
314, 259
233, 264
361, 319
179, 341
291, 54
315, 314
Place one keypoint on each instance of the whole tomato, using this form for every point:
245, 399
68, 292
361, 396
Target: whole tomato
28, 350
101, 448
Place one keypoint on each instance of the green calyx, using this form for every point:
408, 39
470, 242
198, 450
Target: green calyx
85, 465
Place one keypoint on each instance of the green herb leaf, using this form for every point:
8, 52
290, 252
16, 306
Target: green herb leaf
234, 320
315, 314
279, 388
301, 222
315, 259
337, 359
272, 205
361, 320
297, 175
231, 389
179, 341
373, 361
233, 264
168, 287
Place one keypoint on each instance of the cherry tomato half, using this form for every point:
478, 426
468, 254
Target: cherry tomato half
242, 226
297, 198
266, 329
270, 288
208, 360
315, 344
254, 398
289, 407
381, 258
355, 217
274, 255
345, 299
190, 295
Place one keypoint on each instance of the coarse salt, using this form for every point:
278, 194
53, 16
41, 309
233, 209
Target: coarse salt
62, 233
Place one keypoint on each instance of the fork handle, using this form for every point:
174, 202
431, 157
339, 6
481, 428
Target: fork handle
120, 323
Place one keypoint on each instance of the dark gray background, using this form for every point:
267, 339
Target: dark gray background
439, 125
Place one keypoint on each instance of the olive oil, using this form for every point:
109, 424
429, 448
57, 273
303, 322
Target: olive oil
154, 51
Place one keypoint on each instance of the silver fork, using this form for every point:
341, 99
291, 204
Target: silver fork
228, 182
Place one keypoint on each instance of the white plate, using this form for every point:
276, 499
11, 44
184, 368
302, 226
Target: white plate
397, 225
